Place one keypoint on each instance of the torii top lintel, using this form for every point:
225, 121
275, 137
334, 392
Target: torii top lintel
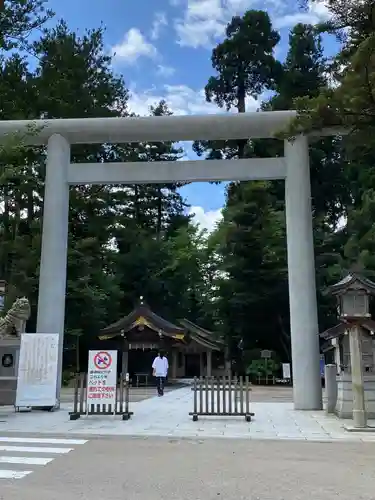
226, 126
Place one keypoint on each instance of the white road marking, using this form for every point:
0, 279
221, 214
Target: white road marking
14, 474
24, 445
25, 460
34, 449
41, 440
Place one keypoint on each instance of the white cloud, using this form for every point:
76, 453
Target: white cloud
133, 46
206, 220
181, 99
316, 12
165, 71
159, 23
203, 22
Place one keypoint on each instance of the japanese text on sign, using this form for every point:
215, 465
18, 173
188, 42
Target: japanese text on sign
102, 374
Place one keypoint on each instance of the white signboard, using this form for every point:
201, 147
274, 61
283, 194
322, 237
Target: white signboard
37, 371
266, 354
286, 371
102, 377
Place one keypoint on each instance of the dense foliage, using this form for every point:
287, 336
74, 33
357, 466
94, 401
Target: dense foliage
127, 241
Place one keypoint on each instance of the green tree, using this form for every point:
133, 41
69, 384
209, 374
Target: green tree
245, 67
254, 279
350, 102
257, 285
305, 74
244, 61
149, 216
19, 19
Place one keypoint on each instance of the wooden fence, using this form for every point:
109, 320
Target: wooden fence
82, 407
221, 397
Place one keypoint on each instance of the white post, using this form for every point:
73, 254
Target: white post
359, 410
307, 390
52, 277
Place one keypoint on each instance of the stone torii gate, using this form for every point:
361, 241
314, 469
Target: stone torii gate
59, 134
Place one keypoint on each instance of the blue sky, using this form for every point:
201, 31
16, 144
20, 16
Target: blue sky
163, 50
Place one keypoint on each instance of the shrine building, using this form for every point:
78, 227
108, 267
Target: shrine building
192, 351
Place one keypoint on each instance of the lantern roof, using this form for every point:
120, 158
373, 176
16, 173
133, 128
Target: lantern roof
338, 330
352, 281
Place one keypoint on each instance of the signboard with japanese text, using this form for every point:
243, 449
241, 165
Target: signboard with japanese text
37, 372
102, 378
286, 371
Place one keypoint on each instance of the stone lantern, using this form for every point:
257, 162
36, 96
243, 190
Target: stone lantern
353, 340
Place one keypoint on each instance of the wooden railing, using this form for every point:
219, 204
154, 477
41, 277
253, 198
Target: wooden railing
81, 407
221, 397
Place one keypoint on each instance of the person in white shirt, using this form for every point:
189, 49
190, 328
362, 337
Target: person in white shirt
160, 371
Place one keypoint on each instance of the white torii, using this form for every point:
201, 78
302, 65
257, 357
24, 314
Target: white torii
59, 134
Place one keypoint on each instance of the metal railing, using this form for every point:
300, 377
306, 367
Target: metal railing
221, 397
82, 407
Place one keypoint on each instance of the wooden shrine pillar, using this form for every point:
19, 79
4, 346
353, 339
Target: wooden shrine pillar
174, 364
201, 365
209, 363
125, 357
228, 362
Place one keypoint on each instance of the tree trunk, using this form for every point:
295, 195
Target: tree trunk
159, 221
136, 205
241, 108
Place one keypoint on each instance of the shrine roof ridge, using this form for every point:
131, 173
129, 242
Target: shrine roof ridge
142, 310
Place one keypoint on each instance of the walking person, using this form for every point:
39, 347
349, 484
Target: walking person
160, 371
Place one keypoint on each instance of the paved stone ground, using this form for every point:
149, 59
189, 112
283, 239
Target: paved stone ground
168, 416
174, 469
136, 394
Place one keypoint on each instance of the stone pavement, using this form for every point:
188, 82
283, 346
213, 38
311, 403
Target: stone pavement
124, 468
169, 416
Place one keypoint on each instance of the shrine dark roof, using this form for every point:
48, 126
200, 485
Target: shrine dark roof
340, 329
142, 315
352, 280
335, 331
202, 336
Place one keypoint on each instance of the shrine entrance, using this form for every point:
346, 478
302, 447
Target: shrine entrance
293, 167
142, 334
193, 365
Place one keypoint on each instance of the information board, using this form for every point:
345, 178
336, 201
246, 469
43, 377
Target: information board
37, 370
266, 354
286, 371
102, 377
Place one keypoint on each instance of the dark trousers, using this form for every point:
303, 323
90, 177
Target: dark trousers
160, 385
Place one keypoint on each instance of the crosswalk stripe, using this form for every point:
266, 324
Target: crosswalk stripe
41, 440
25, 460
27, 448
34, 449
14, 474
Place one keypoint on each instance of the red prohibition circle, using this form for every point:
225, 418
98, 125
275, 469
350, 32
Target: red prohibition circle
102, 360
